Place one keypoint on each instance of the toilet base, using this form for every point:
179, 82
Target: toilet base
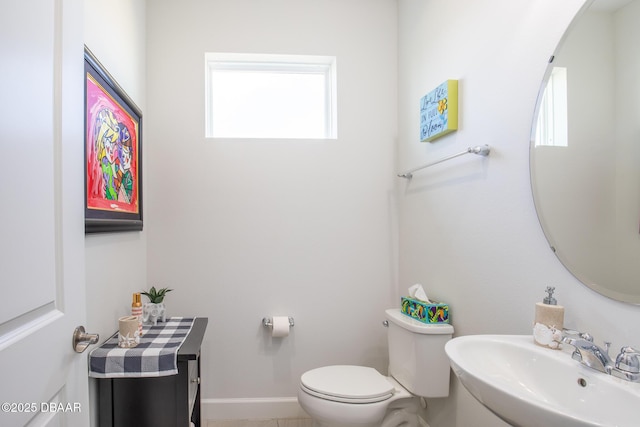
399, 411
399, 417
403, 413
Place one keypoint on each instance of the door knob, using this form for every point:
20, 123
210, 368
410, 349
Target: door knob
82, 340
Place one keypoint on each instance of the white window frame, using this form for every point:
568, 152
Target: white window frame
552, 126
325, 65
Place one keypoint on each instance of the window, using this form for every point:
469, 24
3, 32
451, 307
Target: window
270, 96
552, 126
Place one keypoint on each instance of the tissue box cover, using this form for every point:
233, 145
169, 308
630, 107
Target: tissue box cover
424, 312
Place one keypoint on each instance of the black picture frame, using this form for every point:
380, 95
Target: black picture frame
112, 153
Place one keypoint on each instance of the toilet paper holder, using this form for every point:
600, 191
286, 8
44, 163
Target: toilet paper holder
267, 322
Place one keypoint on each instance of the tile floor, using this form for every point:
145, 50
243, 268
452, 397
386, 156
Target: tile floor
287, 422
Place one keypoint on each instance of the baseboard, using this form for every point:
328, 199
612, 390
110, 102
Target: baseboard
251, 408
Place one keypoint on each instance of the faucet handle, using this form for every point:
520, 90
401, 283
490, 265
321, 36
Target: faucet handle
572, 338
584, 335
627, 360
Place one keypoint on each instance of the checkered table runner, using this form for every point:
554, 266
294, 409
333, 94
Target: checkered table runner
155, 356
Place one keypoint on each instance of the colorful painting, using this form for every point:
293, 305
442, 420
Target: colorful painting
439, 111
113, 154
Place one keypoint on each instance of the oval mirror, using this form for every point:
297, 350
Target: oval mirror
585, 150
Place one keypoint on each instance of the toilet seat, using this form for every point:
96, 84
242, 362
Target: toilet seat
347, 384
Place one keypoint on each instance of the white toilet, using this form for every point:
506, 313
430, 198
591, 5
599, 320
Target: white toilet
344, 395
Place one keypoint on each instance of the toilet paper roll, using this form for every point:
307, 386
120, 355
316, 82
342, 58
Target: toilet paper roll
128, 335
280, 326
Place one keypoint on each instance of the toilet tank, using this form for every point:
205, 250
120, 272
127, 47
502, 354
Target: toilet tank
417, 359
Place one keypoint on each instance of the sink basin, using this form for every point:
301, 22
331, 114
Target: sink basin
531, 386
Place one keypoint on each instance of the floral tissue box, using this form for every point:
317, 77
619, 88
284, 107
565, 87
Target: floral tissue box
425, 312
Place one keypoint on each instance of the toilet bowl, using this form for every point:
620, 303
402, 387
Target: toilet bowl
344, 395
359, 396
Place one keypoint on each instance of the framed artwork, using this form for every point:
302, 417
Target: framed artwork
439, 111
112, 153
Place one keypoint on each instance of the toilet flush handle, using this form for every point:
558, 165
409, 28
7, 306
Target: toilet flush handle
385, 323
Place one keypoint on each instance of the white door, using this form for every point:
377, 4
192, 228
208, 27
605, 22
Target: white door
42, 296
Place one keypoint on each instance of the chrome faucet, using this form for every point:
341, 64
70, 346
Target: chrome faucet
626, 365
588, 353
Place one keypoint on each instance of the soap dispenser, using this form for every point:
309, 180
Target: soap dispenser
549, 321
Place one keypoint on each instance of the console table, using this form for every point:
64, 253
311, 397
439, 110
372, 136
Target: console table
163, 401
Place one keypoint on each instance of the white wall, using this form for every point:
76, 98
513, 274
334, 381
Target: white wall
243, 229
116, 263
468, 227
247, 229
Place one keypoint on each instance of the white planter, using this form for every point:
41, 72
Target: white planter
152, 312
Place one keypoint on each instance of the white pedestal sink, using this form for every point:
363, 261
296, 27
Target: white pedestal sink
530, 386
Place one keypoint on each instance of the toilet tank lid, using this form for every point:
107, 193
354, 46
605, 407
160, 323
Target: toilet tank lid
395, 315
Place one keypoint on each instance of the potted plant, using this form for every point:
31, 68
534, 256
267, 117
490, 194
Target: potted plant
154, 310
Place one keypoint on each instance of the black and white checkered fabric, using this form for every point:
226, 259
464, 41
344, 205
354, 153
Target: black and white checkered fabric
155, 356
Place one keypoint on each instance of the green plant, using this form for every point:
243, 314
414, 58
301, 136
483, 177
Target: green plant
156, 296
